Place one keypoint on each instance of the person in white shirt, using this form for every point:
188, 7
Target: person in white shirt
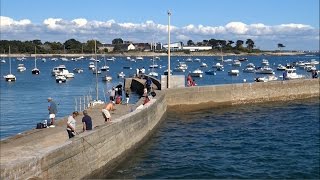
71, 124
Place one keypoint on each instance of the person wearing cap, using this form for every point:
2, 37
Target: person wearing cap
86, 121
52, 108
106, 111
71, 124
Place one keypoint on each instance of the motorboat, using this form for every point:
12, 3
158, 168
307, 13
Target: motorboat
264, 70
3, 61
266, 78
127, 67
64, 59
128, 58
139, 58
65, 73
61, 79
121, 75
56, 70
96, 71
196, 73
111, 59
77, 70
218, 67
153, 66
203, 64
106, 78
292, 74
197, 60
243, 59
54, 59
21, 59
314, 62
189, 59
236, 63
210, 72
153, 73
91, 65
310, 68
281, 67
234, 72
44, 60
250, 68
21, 68
265, 62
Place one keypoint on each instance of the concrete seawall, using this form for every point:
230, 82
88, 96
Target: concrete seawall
90, 153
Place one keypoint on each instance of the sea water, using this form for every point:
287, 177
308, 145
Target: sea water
278, 140
23, 103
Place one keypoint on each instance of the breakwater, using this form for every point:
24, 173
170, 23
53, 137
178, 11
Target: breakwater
89, 153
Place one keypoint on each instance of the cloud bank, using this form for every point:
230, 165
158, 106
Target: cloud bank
296, 36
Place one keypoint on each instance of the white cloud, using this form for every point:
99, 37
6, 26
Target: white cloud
58, 29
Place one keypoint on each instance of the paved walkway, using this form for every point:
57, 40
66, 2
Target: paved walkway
32, 143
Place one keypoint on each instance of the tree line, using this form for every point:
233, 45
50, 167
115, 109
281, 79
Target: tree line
73, 46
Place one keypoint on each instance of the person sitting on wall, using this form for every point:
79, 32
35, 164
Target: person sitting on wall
189, 81
146, 100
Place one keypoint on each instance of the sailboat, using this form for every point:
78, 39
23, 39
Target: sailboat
97, 101
35, 70
105, 67
10, 77
65, 57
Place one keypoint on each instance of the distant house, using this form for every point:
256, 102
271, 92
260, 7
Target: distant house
109, 47
197, 48
174, 46
125, 47
142, 46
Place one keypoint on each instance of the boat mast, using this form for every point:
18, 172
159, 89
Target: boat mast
35, 56
9, 60
95, 52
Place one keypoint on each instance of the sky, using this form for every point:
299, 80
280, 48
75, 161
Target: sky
294, 23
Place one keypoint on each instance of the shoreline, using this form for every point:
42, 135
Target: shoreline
150, 54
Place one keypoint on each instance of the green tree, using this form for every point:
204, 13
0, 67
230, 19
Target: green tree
117, 41
280, 46
250, 44
73, 46
190, 43
239, 44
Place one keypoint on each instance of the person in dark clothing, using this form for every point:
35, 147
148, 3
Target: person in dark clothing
87, 122
148, 84
119, 89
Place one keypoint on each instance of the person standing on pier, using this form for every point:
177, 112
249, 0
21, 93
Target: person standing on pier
71, 124
86, 121
52, 108
106, 111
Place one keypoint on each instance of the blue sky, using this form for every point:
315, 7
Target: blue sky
294, 23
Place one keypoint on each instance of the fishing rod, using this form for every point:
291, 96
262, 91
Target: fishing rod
88, 143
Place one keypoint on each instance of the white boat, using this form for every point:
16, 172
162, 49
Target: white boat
301, 64
56, 70
281, 67
292, 74
139, 58
106, 78
64, 59
266, 78
65, 73
10, 77
91, 65
121, 75
104, 68
218, 67
77, 70
264, 70
3, 61
95, 71
128, 58
310, 68
35, 70
21, 59
314, 62
236, 63
21, 68
44, 59
61, 79
250, 68
153, 73
189, 59
197, 60
54, 59
234, 72
265, 62
196, 73
203, 64
111, 59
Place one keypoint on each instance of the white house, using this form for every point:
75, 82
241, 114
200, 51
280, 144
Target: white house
197, 48
174, 46
131, 47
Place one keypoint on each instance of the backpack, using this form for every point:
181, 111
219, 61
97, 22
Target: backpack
39, 126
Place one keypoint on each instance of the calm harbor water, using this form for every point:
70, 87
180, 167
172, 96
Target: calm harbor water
274, 140
24, 102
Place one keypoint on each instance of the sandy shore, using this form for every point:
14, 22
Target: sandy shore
159, 54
